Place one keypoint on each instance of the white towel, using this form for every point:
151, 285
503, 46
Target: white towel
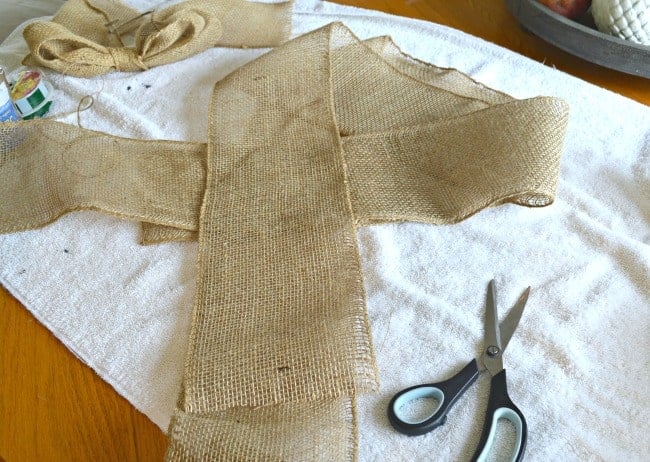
578, 363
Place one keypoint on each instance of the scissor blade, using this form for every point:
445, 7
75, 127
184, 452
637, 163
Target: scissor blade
510, 323
492, 335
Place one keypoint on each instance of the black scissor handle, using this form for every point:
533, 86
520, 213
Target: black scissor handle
446, 393
500, 406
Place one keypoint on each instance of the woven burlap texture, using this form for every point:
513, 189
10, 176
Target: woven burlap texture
91, 37
306, 143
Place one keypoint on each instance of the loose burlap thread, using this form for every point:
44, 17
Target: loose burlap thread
87, 38
305, 144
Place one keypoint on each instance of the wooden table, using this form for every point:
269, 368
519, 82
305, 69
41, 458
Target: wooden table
52, 407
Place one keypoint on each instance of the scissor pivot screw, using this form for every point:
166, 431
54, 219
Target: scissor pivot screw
492, 351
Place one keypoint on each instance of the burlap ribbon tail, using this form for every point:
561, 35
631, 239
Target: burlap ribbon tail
313, 139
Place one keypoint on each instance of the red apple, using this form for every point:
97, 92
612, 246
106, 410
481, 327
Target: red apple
568, 8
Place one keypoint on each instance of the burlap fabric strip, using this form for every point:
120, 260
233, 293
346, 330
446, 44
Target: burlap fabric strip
92, 37
306, 143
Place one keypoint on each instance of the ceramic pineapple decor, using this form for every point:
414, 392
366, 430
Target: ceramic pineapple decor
626, 19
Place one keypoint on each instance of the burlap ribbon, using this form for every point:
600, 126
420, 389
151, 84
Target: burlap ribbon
306, 143
85, 37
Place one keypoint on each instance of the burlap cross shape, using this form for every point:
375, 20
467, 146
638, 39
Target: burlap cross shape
313, 139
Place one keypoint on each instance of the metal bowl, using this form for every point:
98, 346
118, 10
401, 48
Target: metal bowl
581, 38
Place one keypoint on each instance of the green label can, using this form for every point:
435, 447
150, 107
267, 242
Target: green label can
30, 94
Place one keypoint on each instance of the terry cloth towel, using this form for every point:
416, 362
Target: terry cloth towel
586, 257
280, 345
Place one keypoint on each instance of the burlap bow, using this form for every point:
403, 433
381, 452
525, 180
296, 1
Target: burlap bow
305, 144
86, 37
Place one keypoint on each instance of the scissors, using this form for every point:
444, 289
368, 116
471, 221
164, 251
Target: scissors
446, 393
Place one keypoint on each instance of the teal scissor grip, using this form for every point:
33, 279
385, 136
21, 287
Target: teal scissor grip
446, 393
500, 406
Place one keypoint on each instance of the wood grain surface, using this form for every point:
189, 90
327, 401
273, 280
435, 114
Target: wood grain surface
54, 408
